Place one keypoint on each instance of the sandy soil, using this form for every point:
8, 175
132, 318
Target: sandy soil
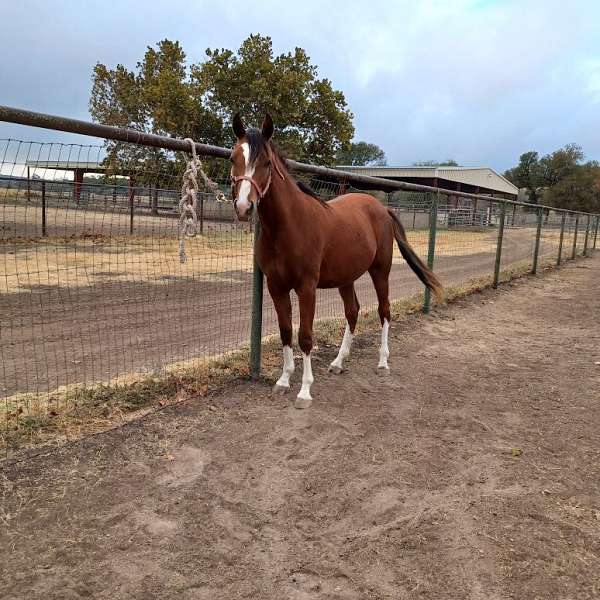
472, 471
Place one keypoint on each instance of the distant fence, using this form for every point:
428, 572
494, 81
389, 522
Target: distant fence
135, 201
92, 291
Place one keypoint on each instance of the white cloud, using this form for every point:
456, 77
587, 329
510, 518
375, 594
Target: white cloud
477, 80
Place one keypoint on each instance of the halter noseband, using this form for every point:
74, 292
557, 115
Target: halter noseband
235, 179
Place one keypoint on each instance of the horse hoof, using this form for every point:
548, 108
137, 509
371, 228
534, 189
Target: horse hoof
301, 403
335, 369
280, 389
383, 371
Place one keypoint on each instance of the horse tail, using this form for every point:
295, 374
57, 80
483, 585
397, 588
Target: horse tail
422, 271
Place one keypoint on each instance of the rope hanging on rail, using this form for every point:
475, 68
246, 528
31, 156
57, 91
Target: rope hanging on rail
188, 215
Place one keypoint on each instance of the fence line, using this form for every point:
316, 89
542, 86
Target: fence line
92, 291
123, 134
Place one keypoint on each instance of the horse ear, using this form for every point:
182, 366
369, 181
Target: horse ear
267, 127
238, 126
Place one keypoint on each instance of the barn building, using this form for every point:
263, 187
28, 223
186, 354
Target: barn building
474, 180
456, 211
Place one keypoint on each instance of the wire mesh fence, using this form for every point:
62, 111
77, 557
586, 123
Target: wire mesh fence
92, 290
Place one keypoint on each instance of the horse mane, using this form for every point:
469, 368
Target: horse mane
304, 187
257, 144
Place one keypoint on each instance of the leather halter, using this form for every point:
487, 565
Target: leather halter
235, 179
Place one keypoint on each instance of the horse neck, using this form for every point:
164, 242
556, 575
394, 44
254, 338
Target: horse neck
284, 208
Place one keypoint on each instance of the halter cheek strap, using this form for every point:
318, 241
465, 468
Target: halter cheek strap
261, 192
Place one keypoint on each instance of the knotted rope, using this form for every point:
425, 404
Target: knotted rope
188, 215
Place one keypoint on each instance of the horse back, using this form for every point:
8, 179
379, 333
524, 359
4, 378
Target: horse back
359, 211
359, 229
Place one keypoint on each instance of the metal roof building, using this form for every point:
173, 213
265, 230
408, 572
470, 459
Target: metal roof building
67, 165
476, 180
79, 169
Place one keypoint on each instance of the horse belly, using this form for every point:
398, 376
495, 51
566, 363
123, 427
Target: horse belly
344, 262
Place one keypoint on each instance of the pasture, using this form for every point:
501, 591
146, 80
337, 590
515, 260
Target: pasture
470, 472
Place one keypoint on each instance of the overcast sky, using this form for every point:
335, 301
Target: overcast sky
480, 81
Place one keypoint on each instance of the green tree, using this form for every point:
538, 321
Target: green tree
579, 189
312, 119
559, 179
450, 162
165, 95
361, 154
158, 97
528, 175
560, 164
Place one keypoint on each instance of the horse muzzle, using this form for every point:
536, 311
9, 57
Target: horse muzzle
243, 212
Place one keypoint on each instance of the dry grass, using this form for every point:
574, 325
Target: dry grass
93, 260
86, 262
71, 411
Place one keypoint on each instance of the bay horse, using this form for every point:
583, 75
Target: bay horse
306, 243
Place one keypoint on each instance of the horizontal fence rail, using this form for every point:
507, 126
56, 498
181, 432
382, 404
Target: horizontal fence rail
45, 121
94, 299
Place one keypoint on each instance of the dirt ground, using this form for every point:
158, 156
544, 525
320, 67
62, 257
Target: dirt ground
54, 336
472, 471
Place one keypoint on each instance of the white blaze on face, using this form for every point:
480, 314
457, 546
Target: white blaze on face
243, 198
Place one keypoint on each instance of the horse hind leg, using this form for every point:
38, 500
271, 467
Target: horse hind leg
351, 308
381, 282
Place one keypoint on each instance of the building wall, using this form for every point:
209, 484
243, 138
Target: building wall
466, 179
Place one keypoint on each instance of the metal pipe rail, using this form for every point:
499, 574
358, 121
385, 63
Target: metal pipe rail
124, 134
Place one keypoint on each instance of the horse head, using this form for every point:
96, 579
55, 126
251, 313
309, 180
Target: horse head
252, 165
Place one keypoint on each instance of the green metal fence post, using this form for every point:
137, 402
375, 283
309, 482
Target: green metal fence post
538, 235
596, 231
257, 310
574, 253
431, 251
587, 235
499, 245
562, 237
44, 231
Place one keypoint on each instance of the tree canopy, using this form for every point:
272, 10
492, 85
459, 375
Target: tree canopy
559, 179
359, 154
166, 95
578, 190
527, 174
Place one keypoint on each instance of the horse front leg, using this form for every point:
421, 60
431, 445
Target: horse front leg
283, 307
306, 299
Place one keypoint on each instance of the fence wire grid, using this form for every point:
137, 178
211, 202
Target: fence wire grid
92, 290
